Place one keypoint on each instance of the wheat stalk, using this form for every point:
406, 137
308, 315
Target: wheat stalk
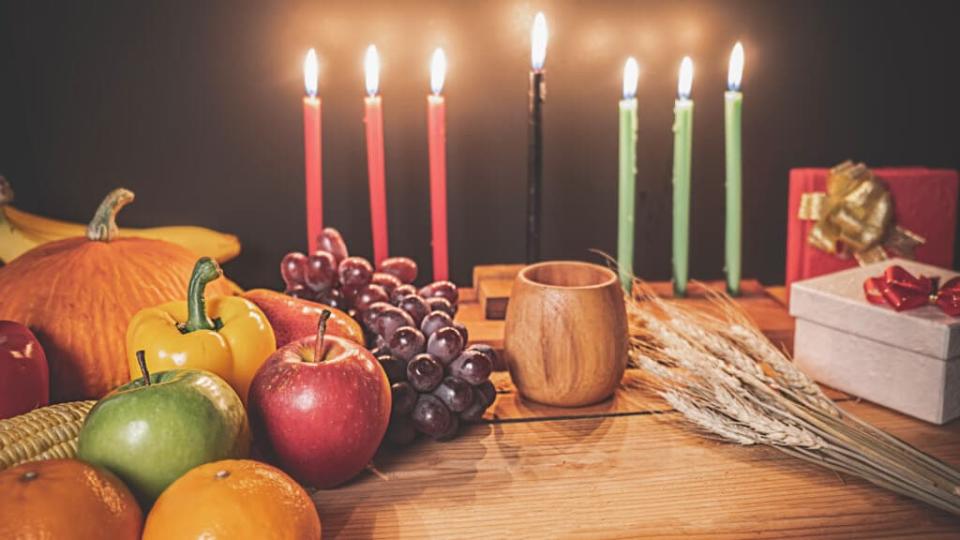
728, 381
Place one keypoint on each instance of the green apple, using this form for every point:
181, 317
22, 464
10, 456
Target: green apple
150, 434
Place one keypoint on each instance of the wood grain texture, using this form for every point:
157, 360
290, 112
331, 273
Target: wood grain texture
625, 477
565, 340
631, 397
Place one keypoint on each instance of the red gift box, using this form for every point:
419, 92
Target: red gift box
924, 201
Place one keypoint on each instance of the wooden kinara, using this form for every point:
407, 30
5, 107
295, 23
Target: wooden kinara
622, 468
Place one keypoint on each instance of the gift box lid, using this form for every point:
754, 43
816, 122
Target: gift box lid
837, 300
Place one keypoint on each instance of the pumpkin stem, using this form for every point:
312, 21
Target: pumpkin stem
205, 271
103, 226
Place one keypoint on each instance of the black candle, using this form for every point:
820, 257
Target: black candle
535, 140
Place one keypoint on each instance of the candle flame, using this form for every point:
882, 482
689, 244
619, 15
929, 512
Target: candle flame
310, 70
371, 68
686, 78
438, 71
538, 40
631, 72
735, 73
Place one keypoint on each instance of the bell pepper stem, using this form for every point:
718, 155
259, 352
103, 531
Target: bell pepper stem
205, 271
103, 226
142, 362
321, 334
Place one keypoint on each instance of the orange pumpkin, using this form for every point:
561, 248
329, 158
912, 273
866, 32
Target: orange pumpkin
78, 294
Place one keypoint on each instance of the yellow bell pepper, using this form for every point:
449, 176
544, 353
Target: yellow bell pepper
228, 335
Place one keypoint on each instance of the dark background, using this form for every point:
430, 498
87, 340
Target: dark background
196, 106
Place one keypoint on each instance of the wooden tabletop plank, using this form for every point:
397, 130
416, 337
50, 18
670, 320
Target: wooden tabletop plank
632, 397
624, 476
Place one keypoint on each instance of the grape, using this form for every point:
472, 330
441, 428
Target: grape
330, 241
333, 298
292, 269
424, 373
435, 321
369, 294
487, 351
406, 342
441, 304
395, 368
355, 272
349, 294
483, 396
404, 398
387, 281
321, 271
415, 306
445, 344
380, 351
389, 319
455, 393
404, 268
488, 391
474, 413
401, 432
372, 312
431, 416
441, 289
402, 292
452, 429
472, 366
462, 328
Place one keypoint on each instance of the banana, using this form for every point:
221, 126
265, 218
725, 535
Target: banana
21, 231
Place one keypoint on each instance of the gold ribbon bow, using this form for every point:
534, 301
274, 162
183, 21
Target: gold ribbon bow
855, 216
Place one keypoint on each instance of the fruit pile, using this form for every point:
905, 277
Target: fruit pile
437, 381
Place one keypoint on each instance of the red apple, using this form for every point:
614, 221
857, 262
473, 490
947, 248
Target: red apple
24, 376
321, 419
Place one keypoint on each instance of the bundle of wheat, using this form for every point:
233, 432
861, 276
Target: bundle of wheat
718, 370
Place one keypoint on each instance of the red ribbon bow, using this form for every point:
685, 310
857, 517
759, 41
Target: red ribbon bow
902, 290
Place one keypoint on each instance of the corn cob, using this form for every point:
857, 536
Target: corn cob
45, 433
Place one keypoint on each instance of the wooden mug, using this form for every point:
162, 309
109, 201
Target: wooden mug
566, 333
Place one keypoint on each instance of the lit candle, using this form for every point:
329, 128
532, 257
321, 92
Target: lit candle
312, 151
682, 148
373, 118
628, 172
733, 104
538, 53
437, 139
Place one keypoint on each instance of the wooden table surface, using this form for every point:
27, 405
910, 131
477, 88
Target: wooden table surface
624, 469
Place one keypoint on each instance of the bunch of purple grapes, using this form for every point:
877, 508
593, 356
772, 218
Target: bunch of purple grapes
436, 379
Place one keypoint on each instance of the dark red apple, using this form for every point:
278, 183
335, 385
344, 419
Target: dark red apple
320, 416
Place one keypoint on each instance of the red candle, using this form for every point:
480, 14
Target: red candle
373, 118
437, 137
311, 151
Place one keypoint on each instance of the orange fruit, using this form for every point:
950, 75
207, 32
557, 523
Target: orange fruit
66, 499
235, 499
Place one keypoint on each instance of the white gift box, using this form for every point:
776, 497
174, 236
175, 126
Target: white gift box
905, 360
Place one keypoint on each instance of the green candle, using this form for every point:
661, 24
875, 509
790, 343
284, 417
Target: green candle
628, 173
682, 148
733, 104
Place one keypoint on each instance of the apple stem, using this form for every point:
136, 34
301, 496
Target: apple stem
321, 334
142, 362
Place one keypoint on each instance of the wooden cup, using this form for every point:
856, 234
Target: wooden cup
566, 333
